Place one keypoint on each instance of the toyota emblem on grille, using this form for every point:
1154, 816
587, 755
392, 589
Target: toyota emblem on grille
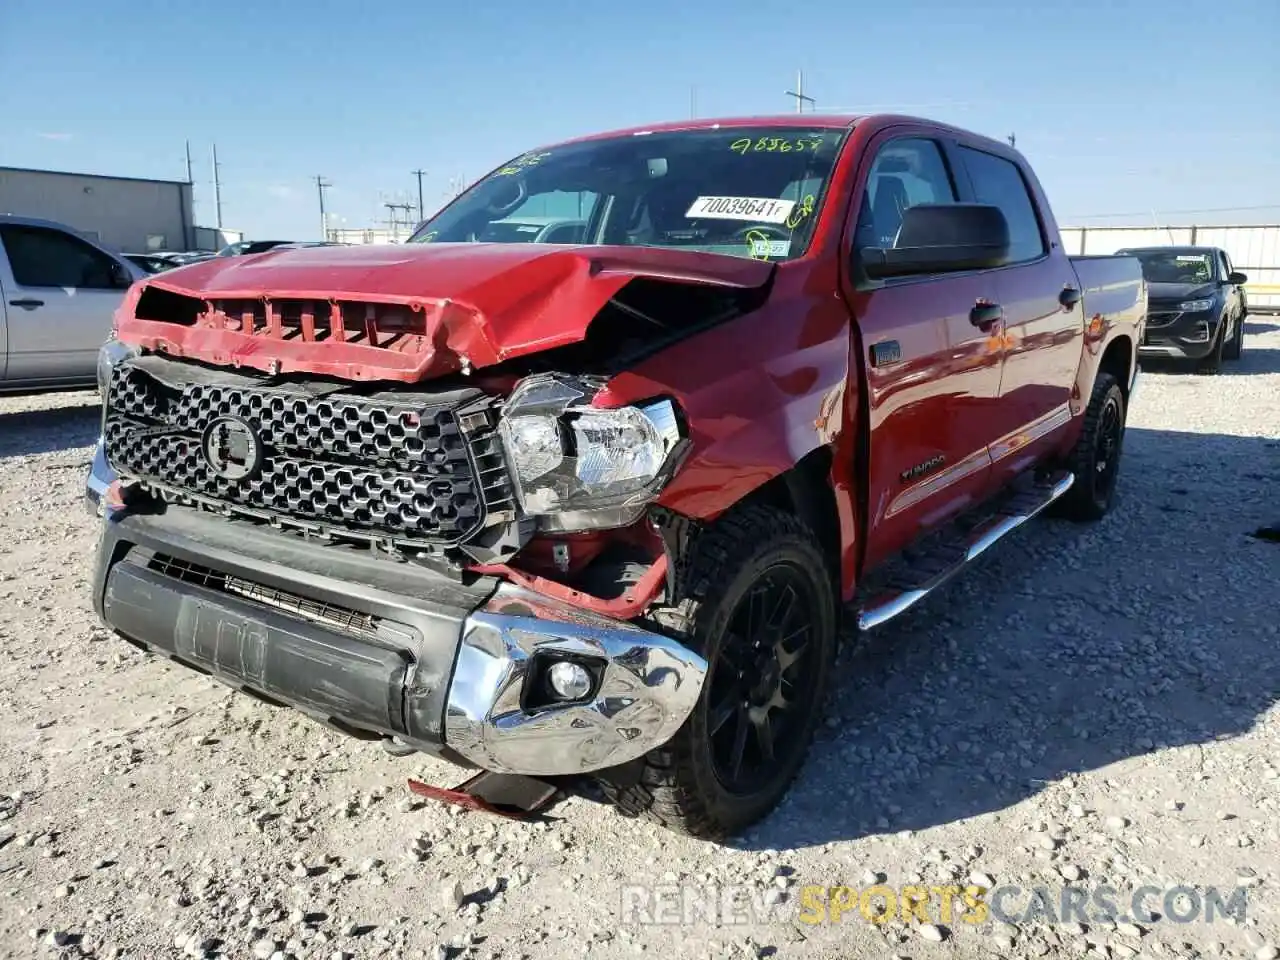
232, 448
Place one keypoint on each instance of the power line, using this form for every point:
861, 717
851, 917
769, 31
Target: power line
1147, 213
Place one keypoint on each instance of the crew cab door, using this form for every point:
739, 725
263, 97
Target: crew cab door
930, 350
1043, 315
60, 293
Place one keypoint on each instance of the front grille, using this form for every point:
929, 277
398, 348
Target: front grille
345, 465
1161, 318
342, 619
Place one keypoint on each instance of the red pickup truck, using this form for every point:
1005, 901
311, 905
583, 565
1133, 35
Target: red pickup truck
592, 510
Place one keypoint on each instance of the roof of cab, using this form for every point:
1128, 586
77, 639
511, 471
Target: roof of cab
798, 120
1171, 248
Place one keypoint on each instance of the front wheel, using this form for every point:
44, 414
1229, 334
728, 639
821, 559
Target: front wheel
1096, 460
763, 612
1235, 346
1211, 364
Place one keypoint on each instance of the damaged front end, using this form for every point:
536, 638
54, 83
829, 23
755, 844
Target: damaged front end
530, 490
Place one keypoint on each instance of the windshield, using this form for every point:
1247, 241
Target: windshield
1169, 266
747, 192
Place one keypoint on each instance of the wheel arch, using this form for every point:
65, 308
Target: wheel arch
806, 492
1118, 360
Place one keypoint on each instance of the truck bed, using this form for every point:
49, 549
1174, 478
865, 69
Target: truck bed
1113, 289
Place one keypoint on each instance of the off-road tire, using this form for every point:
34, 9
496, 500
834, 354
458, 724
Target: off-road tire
1235, 346
1210, 365
677, 785
1088, 500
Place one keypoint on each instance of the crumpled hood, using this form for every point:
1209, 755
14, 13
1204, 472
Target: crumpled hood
420, 310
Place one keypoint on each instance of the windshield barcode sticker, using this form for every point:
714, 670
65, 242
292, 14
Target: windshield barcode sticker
764, 249
755, 209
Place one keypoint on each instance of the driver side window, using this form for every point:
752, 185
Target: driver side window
905, 173
41, 257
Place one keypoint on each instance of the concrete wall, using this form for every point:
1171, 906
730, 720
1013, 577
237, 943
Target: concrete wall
368, 235
214, 238
128, 215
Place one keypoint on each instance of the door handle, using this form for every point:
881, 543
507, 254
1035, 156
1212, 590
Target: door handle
984, 316
27, 304
1069, 297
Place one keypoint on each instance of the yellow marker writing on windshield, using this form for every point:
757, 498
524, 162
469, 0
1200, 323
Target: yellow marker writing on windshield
747, 145
802, 212
521, 163
758, 244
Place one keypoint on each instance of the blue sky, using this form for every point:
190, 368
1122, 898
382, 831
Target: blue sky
1123, 106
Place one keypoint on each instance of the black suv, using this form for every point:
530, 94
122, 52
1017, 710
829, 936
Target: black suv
1196, 305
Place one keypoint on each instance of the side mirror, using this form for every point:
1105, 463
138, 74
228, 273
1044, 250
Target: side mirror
1236, 278
120, 276
942, 238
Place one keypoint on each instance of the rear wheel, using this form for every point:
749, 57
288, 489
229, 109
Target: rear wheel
1096, 460
763, 612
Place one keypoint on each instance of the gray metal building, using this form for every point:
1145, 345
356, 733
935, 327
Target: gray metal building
124, 213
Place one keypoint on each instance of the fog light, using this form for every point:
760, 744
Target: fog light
569, 681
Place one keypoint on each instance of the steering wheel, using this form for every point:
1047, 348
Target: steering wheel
516, 188
761, 231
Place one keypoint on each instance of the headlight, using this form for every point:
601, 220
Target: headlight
1195, 306
578, 467
109, 354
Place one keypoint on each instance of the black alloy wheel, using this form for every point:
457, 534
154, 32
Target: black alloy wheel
761, 605
762, 681
1096, 459
1106, 464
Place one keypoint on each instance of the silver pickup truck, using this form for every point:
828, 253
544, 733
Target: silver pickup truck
58, 292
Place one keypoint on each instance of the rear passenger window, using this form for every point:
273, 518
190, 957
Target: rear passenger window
905, 173
999, 182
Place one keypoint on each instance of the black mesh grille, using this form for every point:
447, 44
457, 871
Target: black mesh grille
345, 462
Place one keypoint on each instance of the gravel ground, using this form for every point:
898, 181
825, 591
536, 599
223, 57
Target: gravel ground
1091, 705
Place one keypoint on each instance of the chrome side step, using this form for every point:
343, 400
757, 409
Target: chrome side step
937, 567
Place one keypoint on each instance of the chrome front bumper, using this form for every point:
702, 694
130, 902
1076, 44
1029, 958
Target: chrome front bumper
491, 656
646, 687
100, 477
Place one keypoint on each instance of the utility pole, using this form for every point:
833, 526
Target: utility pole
189, 177
693, 103
1013, 141
798, 93
217, 189
321, 185
419, 174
